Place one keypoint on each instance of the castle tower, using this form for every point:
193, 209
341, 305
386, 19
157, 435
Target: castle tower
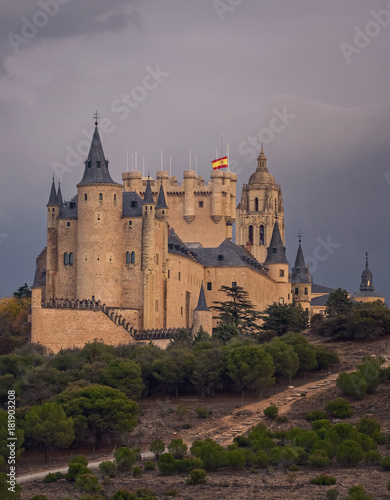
366, 292
276, 260
99, 256
189, 195
53, 211
301, 281
261, 204
162, 216
202, 316
148, 264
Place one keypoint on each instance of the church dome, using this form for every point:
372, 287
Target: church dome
367, 281
261, 176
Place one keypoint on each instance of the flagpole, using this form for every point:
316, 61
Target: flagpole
222, 144
136, 160
196, 165
228, 157
127, 161
143, 165
190, 161
170, 165
161, 160
132, 162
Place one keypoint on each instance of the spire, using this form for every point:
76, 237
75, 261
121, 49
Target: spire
367, 283
53, 201
148, 199
262, 160
161, 203
60, 201
96, 166
276, 253
300, 273
202, 306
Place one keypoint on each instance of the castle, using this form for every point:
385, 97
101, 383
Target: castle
132, 261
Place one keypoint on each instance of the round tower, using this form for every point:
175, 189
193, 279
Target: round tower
53, 212
189, 195
148, 264
216, 195
99, 242
301, 281
276, 260
202, 316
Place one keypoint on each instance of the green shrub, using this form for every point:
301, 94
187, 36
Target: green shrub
210, 452
368, 425
157, 447
234, 459
282, 419
358, 493
108, 468
171, 493
373, 457
79, 459
124, 458
197, 476
319, 458
186, 426
385, 463
339, 408
76, 469
262, 459
242, 442
187, 464
353, 384
316, 415
177, 448
271, 411
167, 464
325, 444
145, 493
388, 484
287, 455
332, 494
51, 478
123, 495
350, 452
149, 465
137, 471
324, 480
324, 423
88, 483
325, 357
202, 412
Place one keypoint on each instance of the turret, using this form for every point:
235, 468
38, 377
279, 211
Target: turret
276, 260
53, 212
189, 195
202, 316
161, 205
216, 196
301, 281
148, 257
99, 256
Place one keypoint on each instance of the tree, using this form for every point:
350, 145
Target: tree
177, 448
237, 310
224, 332
23, 292
338, 303
175, 366
125, 375
306, 352
286, 360
283, 318
47, 426
157, 447
98, 410
209, 369
250, 368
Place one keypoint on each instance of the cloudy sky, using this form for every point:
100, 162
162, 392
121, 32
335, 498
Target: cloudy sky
309, 78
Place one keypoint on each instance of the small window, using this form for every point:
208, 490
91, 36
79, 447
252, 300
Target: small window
251, 235
68, 224
72, 204
297, 270
66, 259
281, 300
306, 291
201, 204
127, 257
98, 216
134, 204
71, 261
132, 257
234, 284
100, 196
156, 306
220, 257
274, 250
85, 197
130, 222
48, 209
157, 259
89, 163
114, 198
146, 208
181, 310
169, 273
209, 285
296, 291
163, 212
53, 209
281, 273
98, 163
307, 311
262, 234
179, 275
256, 204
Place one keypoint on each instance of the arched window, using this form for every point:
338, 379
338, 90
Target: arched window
256, 204
114, 197
85, 197
71, 259
132, 257
127, 257
66, 259
100, 196
276, 206
250, 235
261, 234
68, 224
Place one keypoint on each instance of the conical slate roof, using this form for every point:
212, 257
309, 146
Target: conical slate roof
161, 203
96, 166
60, 201
36, 283
53, 201
300, 273
276, 253
202, 306
148, 199
367, 283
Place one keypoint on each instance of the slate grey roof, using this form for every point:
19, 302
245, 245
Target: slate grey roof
276, 253
202, 305
53, 201
148, 198
132, 204
96, 166
365, 293
69, 209
161, 203
36, 283
59, 196
300, 273
176, 245
320, 301
321, 289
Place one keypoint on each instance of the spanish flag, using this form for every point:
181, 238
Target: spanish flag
220, 163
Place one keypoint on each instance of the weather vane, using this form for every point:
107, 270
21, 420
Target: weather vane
96, 116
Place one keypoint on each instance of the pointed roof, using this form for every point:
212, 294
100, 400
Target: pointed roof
161, 203
60, 201
36, 283
53, 202
96, 166
202, 306
276, 253
367, 283
300, 273
148, 198
261, 175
